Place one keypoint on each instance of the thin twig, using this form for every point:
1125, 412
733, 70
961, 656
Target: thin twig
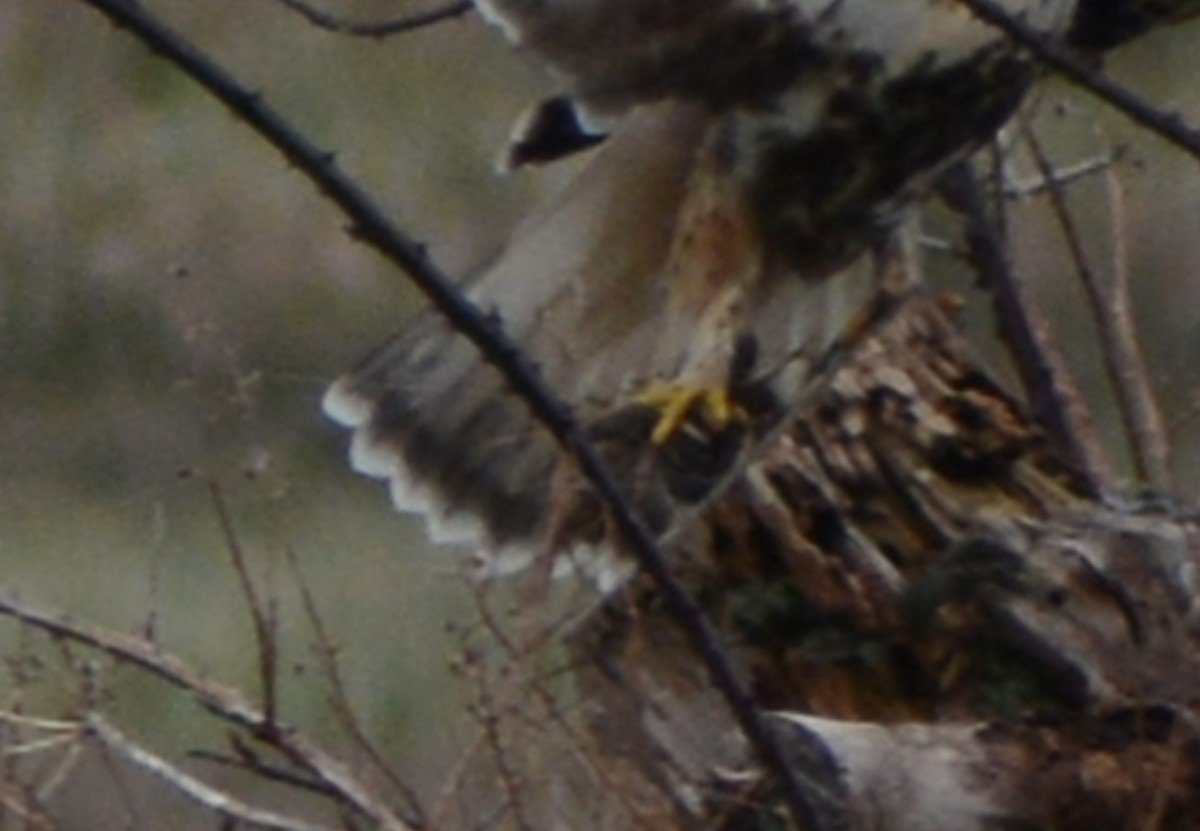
1054, 397
253, 763
19, 804
199, 792
370, 225
226, 703
1149, 433
452, 787
1168, 125
518, 655
489, 718
1120, 365
1063, 175
340, 702
42, 780
56, 725
34, 746
381, 28
59, 773
264, 625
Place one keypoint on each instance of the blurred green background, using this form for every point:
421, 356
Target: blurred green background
174, 299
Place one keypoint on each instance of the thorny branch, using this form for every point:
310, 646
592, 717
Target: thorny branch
370, 225
375, 229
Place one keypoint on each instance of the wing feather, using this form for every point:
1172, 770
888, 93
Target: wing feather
577, 289
696, 225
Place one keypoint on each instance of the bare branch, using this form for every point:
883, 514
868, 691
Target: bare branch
375, 228
52, 725
253, 763
1168, 125
226, 703
340, 703
1122, 357
1149, 433
1054, 397
264, 626
211, 798
13, 801
33, 735
60, 772
382, 28
1063, 175
489, 721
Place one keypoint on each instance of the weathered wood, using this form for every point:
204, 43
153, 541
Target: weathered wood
912, 573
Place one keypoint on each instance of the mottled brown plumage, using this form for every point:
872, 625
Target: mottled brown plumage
757, 149
947, 628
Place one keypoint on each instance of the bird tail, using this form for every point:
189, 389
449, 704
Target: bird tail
577, 290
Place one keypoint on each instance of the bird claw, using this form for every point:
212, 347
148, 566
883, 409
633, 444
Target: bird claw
677, 401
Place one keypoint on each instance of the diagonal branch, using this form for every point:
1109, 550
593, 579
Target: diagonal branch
226, 703
370, 225
212, 798
1167, 125
1149, 436
339, 696
262, 620
1055, 398
1119, 349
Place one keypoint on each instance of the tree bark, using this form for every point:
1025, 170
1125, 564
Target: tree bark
952, 631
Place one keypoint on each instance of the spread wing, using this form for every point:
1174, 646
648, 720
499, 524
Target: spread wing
760, 149
576, 288
630, 276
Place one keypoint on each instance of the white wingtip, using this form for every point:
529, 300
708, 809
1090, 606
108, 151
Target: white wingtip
372, 457
345, 406
599, 567
379, 460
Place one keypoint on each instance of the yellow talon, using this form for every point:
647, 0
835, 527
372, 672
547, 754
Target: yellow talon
677, 401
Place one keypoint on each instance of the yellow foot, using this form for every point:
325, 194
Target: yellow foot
676, 401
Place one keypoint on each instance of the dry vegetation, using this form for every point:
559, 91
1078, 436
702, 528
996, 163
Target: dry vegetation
172, 302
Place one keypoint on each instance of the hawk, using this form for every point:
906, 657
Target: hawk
753, 151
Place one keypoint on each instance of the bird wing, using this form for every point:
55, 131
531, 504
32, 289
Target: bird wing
578, 289
639, 271
760, 148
